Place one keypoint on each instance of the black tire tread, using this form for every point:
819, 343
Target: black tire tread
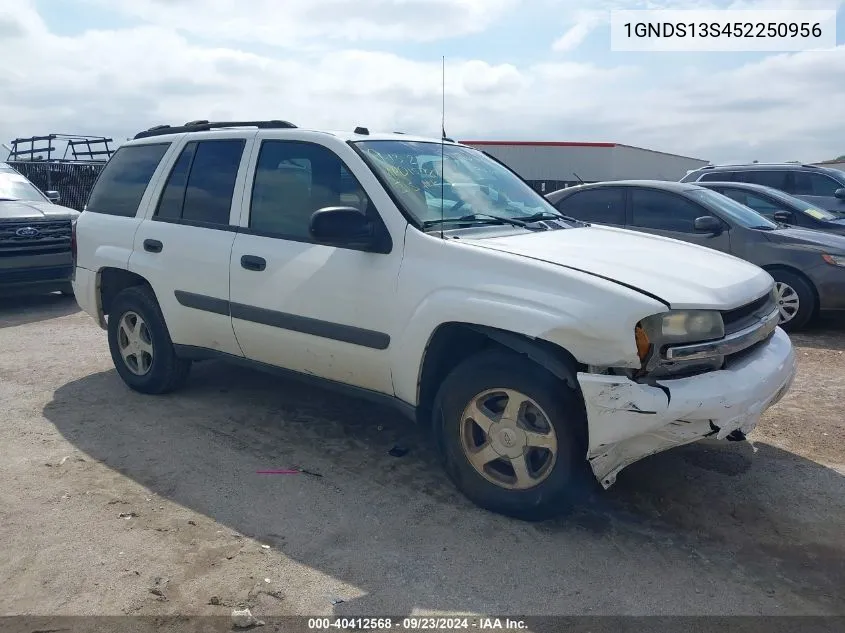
558, 494
169, 372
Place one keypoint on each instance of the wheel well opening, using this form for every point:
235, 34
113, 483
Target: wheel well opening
113, 281
452, 343
794, 271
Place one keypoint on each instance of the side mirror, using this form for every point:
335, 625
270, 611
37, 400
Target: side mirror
840, 193
783, 216
342, 225
708, 224
53, 196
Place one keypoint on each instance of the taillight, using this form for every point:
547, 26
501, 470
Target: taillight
73, 244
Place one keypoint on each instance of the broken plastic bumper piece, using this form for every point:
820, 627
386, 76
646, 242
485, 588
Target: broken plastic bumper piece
628, 420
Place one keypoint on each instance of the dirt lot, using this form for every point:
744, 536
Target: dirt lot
116, 503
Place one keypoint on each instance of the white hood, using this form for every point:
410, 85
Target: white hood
681, 274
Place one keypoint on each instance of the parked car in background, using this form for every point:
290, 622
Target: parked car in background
779, 206
808, 266
425, 275
35, 238
822, 187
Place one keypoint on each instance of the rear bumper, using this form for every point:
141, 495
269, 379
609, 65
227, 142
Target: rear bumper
629, 421
88, 294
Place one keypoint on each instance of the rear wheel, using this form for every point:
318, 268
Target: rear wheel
795, 300
140, 344
511, 436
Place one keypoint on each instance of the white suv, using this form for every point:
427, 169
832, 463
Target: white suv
425, 274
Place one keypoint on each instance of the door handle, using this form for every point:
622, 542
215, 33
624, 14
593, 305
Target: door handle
252, 262
153, 246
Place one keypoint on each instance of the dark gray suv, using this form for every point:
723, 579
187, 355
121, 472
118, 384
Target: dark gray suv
35, 238
808, 266
821, 186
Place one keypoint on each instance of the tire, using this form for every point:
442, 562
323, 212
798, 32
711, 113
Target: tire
792, 289
556, 487
160, 371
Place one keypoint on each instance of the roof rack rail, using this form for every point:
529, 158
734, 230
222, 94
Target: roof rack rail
760, 164
203, 125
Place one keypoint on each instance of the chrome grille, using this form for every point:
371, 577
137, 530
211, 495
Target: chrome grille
19, 238
748, 314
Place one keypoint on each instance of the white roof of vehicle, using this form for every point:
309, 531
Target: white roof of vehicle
297, 131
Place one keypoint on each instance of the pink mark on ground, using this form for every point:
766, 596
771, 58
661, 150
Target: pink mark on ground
285, 471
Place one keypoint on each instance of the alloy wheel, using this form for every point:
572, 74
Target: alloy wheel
787, 301
135, 343
508, 439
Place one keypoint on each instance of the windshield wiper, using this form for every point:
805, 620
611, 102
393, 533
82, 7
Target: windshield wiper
769, 228
483, 218
548, 215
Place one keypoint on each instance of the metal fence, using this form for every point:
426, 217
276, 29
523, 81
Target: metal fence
72, 179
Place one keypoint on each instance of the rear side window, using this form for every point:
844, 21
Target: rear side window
773, 179
602, 206
201, 184
125, 178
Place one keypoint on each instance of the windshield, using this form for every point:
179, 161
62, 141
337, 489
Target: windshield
464, 183
799, 205
13, 186
739, 213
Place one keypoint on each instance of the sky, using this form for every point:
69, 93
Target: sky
515, 70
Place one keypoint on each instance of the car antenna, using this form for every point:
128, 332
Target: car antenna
579, 178
442, 144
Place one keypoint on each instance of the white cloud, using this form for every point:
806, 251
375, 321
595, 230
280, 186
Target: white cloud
584, 24
317, 23
786, 107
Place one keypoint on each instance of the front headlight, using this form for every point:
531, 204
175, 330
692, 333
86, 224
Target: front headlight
683, 326
834, 260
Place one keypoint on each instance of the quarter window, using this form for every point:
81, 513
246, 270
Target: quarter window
653, 209
125, 178
293, 180
717, 176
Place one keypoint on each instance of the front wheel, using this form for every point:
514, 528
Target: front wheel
512, 436
140, 344
795, 300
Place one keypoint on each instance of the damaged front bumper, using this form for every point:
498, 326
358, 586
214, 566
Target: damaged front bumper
629, 420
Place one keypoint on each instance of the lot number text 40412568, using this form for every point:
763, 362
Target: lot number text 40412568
420, 623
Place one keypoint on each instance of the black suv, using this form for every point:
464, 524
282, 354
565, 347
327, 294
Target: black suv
35, 238
821, 186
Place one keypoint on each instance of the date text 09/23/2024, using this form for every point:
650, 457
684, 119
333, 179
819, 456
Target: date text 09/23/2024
415, 623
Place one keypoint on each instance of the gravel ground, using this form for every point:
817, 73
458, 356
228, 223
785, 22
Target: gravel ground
116, 503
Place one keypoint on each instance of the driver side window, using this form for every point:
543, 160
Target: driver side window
760, 205
659, 210
293, 179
